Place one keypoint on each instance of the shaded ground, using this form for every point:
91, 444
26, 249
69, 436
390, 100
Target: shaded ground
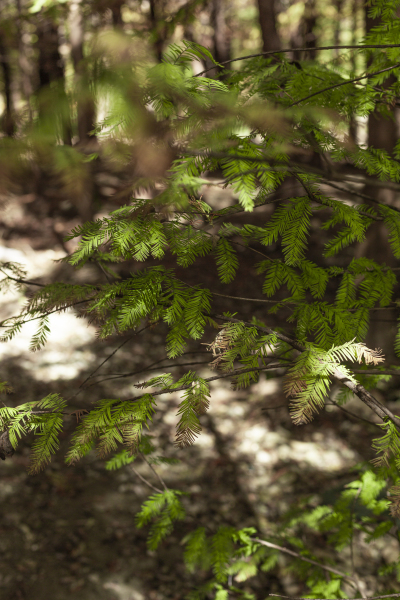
69, 532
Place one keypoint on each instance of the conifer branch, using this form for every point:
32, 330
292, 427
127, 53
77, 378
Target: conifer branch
112, 377
270, 366
358, 390
246, 299
297, 168
336, 85
23, 281
301, 49
354, 192
45, 314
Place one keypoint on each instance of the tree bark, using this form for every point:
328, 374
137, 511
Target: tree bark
50, 66
222, 45
8, 124
25, 65
116, 13
309, 23
336, 33
267, 15
86, 111
155, 19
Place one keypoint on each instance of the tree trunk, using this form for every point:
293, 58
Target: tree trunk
8, 124
116, 13
86, 112
336, 33
50, 66
24, 64
155, 19
309, 23
267, 15
222, 46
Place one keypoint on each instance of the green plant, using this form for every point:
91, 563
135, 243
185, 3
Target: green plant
255, 127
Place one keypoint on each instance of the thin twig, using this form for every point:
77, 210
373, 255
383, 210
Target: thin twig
161, 480
305, 559
354, 192
336, 85
285, 50
112, 354
24, 281
347, 412
50, 312
246, 299
123, 375
148, 368
235, 372
146, 482
395, 372
366, 598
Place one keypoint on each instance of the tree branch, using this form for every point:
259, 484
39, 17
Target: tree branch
305, 559
161, 480
336, 85
285, 50
358, 390
145, 481
366, 598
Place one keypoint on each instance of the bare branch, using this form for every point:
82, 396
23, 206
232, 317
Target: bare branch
366, 598
145, 481
305, 559
161, 480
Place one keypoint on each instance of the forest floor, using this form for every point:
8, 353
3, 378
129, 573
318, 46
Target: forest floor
69, 532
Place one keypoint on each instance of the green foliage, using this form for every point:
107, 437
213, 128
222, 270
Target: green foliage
163, 510
195, 403
174, 134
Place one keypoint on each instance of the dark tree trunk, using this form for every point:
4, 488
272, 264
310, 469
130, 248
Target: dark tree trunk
304, 36
222, 45
336, 33
86, 112
267, 15
309, 23
25, 65
8, 124
50, 65
155, 19
116, 13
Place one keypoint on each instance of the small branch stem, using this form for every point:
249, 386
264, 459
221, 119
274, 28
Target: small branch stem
161, 480
146, 482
